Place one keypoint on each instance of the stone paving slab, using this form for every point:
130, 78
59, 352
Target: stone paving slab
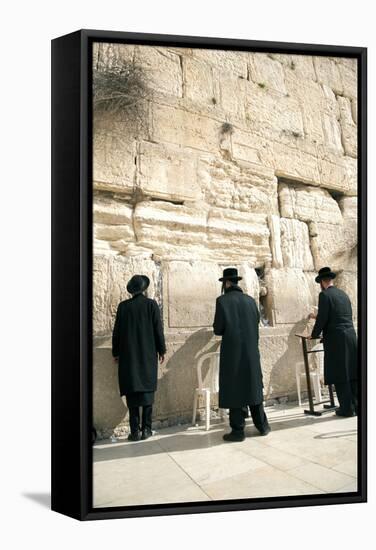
302, 455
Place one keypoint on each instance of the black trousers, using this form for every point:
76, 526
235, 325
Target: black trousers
238, 416
347, 395
146, 418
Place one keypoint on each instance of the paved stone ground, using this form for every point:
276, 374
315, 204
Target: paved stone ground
302, 455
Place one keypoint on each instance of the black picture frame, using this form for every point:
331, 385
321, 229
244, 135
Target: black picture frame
72, 274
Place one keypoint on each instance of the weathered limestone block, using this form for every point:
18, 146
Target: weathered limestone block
114, 152
310, 96
111, 57
348, 72
295, 244
338, 174
308, 204
110, 277
113, 224
167, 172
273, 115
250, 282
289, 297
225, 61
233, 91
267, 71
328, 245
185, 128
192, 289
300, 65
332, 133
349, 209
245, 186
291, 163
233, 234
108, 407
108, 210
348, 127
314, 287
328, 73
280, 351
354, 110
348, 282
162, 69
275, 241
199, 84
170, 230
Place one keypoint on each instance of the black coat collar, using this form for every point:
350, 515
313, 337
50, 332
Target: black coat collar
232, 288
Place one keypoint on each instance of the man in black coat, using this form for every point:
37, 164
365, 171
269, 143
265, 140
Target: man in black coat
240, 377
334, 321
137, 342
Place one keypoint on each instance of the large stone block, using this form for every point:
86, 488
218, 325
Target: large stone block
275, 241
199, 85
233, 92
280, 351
162, 69
167, 172
238, 235
349, 209
170, 230
114, 153
112, 57
328, 245
348, 127
338, 173
295, 245
273, 115
328, 73
291, 163
113, 224
289, 298
244, 186
267, 72
224, 60
308, 204
310, 96
185, 128
348, 282
349, 76
110, 277
192, 289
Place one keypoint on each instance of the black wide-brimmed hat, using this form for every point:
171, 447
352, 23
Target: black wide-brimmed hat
230, 274
138, 283
325, 273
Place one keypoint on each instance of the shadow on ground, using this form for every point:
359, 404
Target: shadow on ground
43, 499
188, 438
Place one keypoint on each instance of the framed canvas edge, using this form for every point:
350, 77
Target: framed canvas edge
87, 511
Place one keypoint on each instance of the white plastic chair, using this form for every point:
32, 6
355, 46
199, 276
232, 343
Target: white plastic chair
315, 375
208, 386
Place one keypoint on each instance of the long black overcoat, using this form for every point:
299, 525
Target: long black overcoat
137, 338
334, 321
240, 376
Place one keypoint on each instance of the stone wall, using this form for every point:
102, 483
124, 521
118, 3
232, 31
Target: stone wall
222, 159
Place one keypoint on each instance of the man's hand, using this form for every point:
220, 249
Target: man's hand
161, 358
312, 316
116, 359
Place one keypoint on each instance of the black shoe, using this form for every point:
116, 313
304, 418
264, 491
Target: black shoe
234, 436
266, 431
340, 413
146, 434
135, 436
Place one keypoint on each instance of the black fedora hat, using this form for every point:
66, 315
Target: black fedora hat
138, 283
325, 273
230, 274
